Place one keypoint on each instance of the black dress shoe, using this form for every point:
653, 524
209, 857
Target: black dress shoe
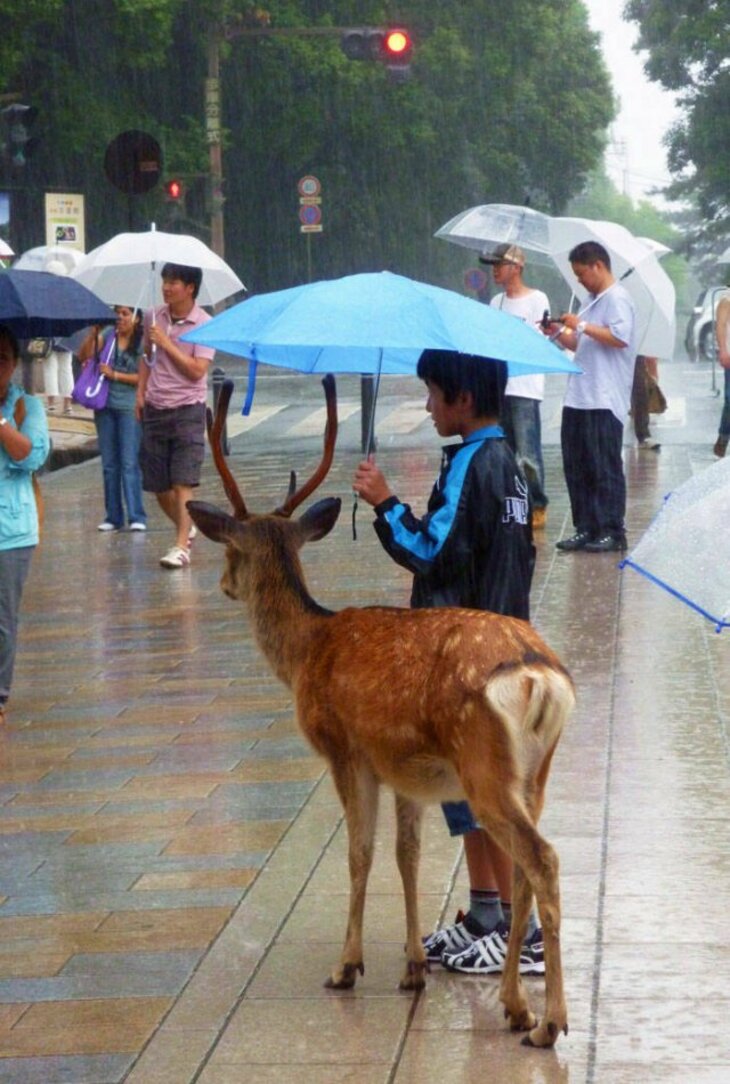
607, 543
577, 541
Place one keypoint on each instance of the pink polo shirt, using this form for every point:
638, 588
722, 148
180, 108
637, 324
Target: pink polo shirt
166, 386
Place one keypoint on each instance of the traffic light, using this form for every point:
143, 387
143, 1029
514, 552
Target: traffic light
174, 190
19, 144
392, 46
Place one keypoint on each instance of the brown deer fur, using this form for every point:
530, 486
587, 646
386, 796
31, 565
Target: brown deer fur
437, 704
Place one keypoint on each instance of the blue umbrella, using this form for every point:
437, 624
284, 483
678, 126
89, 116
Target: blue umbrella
37, 304
374, 323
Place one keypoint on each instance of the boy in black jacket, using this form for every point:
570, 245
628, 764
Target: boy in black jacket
473, 548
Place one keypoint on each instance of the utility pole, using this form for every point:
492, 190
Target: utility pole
361, 43
213, 136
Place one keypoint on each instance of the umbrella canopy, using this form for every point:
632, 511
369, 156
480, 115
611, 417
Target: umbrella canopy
126, 269
5, 250
686, 549
44, 256
37, 304
551, 239
374, 323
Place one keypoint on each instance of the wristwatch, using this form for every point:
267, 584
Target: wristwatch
580, 327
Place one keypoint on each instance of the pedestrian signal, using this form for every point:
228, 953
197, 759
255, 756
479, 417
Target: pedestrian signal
174, 190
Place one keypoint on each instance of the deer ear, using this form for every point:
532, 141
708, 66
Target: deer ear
213, 522
319, 520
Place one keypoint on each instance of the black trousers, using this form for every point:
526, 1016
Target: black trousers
591, 441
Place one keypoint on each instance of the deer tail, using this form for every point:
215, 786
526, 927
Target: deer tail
532, 698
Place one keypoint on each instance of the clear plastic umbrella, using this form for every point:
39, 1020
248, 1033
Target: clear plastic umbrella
686, 549
550, 240
39, 258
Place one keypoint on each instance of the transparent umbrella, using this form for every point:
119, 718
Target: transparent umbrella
686, 549
550, 240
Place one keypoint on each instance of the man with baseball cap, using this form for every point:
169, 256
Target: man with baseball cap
523, 394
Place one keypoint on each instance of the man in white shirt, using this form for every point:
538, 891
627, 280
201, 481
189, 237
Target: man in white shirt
596, 404
521, 414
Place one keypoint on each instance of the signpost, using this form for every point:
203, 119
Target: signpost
310, 212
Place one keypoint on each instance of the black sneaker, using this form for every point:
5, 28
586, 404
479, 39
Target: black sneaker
465, 931
607, 543
577, 541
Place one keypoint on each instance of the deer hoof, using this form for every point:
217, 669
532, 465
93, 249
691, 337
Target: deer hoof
344, 979
522, 1020
544, 1035
415, 976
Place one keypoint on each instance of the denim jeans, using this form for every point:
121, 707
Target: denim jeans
459, 817
119, 435
14, 565
523, 430
725, 417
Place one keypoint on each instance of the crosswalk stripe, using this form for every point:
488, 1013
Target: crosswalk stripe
404, 419
314, 423
240, 423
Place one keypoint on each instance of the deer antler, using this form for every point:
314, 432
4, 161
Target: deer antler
215, 431
295, 496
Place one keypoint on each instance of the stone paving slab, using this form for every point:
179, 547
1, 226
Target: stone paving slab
174, 886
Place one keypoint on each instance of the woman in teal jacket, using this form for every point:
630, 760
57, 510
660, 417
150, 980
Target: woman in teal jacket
24, 448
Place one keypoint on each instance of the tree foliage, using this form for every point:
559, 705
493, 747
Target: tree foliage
688, 44
506, 103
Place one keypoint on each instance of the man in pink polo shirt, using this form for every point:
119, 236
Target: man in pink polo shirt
171, 399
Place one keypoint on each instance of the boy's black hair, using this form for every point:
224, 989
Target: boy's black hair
485, 378
9, 335
189, 275
588, 252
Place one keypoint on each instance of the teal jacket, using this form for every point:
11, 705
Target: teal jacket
18, 514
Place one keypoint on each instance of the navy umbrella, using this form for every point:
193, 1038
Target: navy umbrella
40, 305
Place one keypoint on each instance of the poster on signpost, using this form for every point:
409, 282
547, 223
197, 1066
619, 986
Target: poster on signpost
65, 220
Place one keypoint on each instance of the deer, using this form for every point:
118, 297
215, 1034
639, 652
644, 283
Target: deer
437, 704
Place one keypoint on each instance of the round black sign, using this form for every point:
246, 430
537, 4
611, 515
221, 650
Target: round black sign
133, 162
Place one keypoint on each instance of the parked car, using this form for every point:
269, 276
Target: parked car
699, 338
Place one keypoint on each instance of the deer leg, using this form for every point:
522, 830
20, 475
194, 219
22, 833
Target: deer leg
512, 992
358, 791
539, 863
408, 853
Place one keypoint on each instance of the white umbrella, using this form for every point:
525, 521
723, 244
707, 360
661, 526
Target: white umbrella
39, 258
5, 250
686, 549
550, 239
126, 269
656, 247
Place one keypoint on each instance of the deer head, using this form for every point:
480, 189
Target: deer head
249, 535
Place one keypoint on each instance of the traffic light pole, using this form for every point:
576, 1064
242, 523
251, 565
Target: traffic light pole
218, 32
213, 134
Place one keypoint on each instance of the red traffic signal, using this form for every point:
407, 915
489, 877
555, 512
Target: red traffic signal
392, 46
174, 190
397, 45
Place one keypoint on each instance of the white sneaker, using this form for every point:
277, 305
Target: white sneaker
176, 557
136, 526
107, 526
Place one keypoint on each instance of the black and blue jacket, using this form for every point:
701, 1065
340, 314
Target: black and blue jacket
474, 546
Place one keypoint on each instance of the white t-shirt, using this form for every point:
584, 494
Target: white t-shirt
608, 371
530, 308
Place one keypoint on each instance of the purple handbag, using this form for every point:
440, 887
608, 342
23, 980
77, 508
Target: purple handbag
92, 387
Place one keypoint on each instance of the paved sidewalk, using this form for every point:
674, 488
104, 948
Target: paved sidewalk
174, 886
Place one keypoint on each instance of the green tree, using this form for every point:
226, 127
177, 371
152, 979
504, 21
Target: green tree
493, 112
688, 44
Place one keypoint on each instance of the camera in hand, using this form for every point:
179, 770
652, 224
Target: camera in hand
547, 320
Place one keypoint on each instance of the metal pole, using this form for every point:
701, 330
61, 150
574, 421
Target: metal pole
213, 135
368, 395
219, 375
